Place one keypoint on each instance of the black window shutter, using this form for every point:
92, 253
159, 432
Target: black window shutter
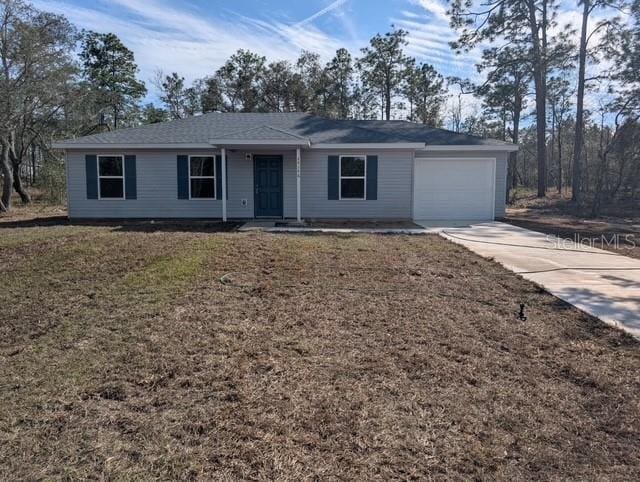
372, 178
131, 189
183, 177
333, 177
91, 167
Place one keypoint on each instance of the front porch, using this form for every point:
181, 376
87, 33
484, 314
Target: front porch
270, 159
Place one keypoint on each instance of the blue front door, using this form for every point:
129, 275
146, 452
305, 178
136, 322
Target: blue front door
267, 180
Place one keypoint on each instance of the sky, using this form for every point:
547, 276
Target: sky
195, 37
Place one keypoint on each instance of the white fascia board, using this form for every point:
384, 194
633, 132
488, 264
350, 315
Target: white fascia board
278, 142
472, 148
372, 145
111, 146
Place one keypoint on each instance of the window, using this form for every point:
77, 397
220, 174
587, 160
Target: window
353, 174
202, 177
110, 177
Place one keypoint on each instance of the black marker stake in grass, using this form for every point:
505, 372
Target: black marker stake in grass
521, 315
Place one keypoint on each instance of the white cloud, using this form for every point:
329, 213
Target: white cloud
333, 6
434, 7
187, 42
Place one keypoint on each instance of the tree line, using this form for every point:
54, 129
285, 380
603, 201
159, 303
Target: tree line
535, 69
58, 82
367, 87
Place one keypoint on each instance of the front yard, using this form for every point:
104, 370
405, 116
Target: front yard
123, 355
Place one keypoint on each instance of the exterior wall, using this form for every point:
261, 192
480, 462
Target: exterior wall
157, 189
501, 158
157, 186
394, 201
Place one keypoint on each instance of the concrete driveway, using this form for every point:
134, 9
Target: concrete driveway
601, 283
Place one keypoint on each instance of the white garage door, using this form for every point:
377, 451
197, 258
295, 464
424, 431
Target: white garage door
454, 189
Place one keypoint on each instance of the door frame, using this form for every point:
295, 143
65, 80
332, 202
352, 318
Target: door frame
281, 157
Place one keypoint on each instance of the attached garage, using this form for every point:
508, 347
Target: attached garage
454, 188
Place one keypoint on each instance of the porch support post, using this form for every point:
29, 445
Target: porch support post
298, 212
224, 184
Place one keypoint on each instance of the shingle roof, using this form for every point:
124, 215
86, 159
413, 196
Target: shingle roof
279, 126
261, 133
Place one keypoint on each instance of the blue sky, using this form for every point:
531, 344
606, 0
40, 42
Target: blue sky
194, 37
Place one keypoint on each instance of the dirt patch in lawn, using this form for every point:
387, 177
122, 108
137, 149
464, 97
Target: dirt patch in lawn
123, 355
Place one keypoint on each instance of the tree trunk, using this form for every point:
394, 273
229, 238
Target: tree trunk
540, 82
16, 162
17, 185
33, 165
7, 173
559, 165
387, 100
579, 131
513, 156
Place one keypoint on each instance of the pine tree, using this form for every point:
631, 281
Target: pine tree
382, 66
110, 69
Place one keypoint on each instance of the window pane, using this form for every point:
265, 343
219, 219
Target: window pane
111, 188
204, 188
110, 166
202, 166
352, 188
352, 166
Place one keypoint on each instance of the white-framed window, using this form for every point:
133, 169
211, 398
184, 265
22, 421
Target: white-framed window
202, 177
353, 177
110, 177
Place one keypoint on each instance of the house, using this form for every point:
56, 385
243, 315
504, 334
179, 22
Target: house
285, 165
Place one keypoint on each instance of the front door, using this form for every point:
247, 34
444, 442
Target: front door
267, 180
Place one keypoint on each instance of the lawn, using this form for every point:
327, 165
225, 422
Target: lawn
135, 351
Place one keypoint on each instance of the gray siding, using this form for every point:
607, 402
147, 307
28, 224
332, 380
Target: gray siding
501, 158
395, 169
158, 189
157, 195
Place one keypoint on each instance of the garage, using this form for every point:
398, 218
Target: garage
454, 189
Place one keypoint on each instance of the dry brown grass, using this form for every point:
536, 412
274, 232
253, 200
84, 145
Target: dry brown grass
122, 356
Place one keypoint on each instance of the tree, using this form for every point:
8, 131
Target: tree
172, 94
588, 7
240, 79
153, 115
211, 97
339, 74
382, 66
180, 101
524, 22
424, 89
304, 86
508, 76
365, 102
110, 68
276, 87
559, 95
36, 70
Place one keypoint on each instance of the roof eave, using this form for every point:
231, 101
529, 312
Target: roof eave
107, 146
472, 147
370, 145
258, 142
